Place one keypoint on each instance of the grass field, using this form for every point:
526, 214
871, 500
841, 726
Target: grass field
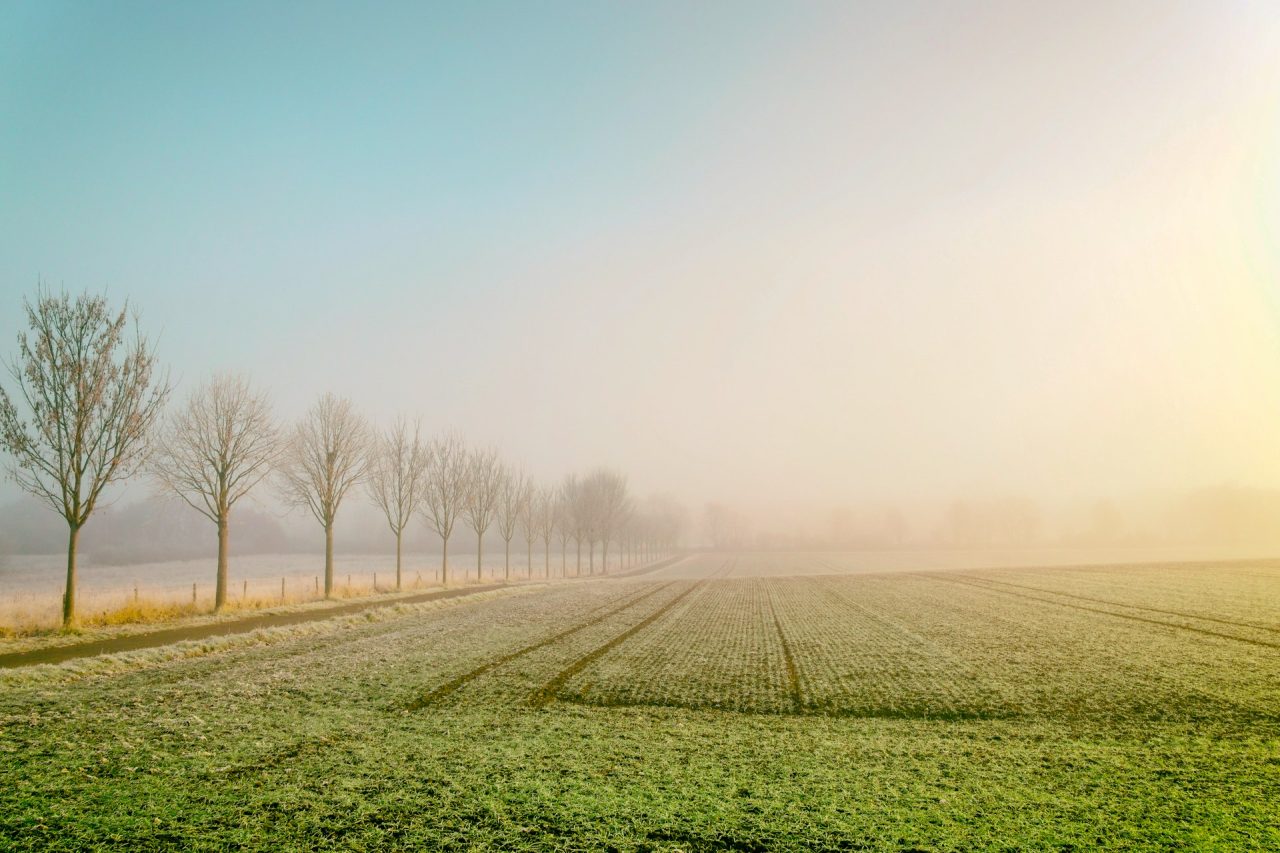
743, 702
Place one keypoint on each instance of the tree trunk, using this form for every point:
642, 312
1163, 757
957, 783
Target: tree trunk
479, 554
399, 534
220, 588
604, 557
328, 560
546, 558
591, 556
528, 544
506, 565
444, 561
577, 572
69, 596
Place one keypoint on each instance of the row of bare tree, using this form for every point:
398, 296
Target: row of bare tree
87, 412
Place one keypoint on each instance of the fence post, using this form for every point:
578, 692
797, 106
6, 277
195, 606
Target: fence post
317, 584
244, 596
282, 590
193, 594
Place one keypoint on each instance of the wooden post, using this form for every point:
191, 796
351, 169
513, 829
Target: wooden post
282, 590
317, 584
244, 596
193, 594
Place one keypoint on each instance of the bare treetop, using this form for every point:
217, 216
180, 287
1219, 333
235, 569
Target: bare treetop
219, 446
91, 398
325, 458
513, 497
484, 483
446, 486
397, 473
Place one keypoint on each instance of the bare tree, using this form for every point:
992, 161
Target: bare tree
529, 518
545, 517
512, 498
90, 397
576, 513
484, 480
446, 491
325, 457
587, 515
219, 446
562, 521
610, 505
397, 473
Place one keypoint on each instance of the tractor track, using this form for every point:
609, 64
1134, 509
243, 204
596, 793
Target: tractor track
1162, 623
789, 661
435, 695
1109, 603
548, 692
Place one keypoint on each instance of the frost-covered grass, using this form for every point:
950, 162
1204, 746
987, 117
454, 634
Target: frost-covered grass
109, 595
766, 713
145, 617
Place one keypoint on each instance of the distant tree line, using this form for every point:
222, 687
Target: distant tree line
85, 408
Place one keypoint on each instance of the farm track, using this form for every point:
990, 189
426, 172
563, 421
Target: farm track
793, 673
1228, 622
1160, 622
547, 692
433, 696
169, 636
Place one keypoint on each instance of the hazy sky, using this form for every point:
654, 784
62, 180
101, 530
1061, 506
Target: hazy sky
784, 251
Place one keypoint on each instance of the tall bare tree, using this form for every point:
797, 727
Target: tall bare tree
513, 497
89, 397
610, 505
397, 473
586, 516
529, 516
563, 524
484, 481
446, 493
325, 457
213, 451
545, 517
576, 513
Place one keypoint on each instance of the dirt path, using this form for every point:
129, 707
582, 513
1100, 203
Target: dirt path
153, 639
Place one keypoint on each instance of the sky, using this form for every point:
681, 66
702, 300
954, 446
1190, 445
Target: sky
752, 252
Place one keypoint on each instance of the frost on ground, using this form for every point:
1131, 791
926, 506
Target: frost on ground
731, 707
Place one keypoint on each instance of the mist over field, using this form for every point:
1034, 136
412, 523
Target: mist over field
1032, 264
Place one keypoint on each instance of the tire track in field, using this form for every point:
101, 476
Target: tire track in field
824, 584
788, 659
1162, 623
450, 686
548, 692
1183, 614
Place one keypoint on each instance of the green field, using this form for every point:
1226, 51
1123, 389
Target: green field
740, 702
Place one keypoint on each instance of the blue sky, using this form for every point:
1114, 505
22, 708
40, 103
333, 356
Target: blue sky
673, 236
